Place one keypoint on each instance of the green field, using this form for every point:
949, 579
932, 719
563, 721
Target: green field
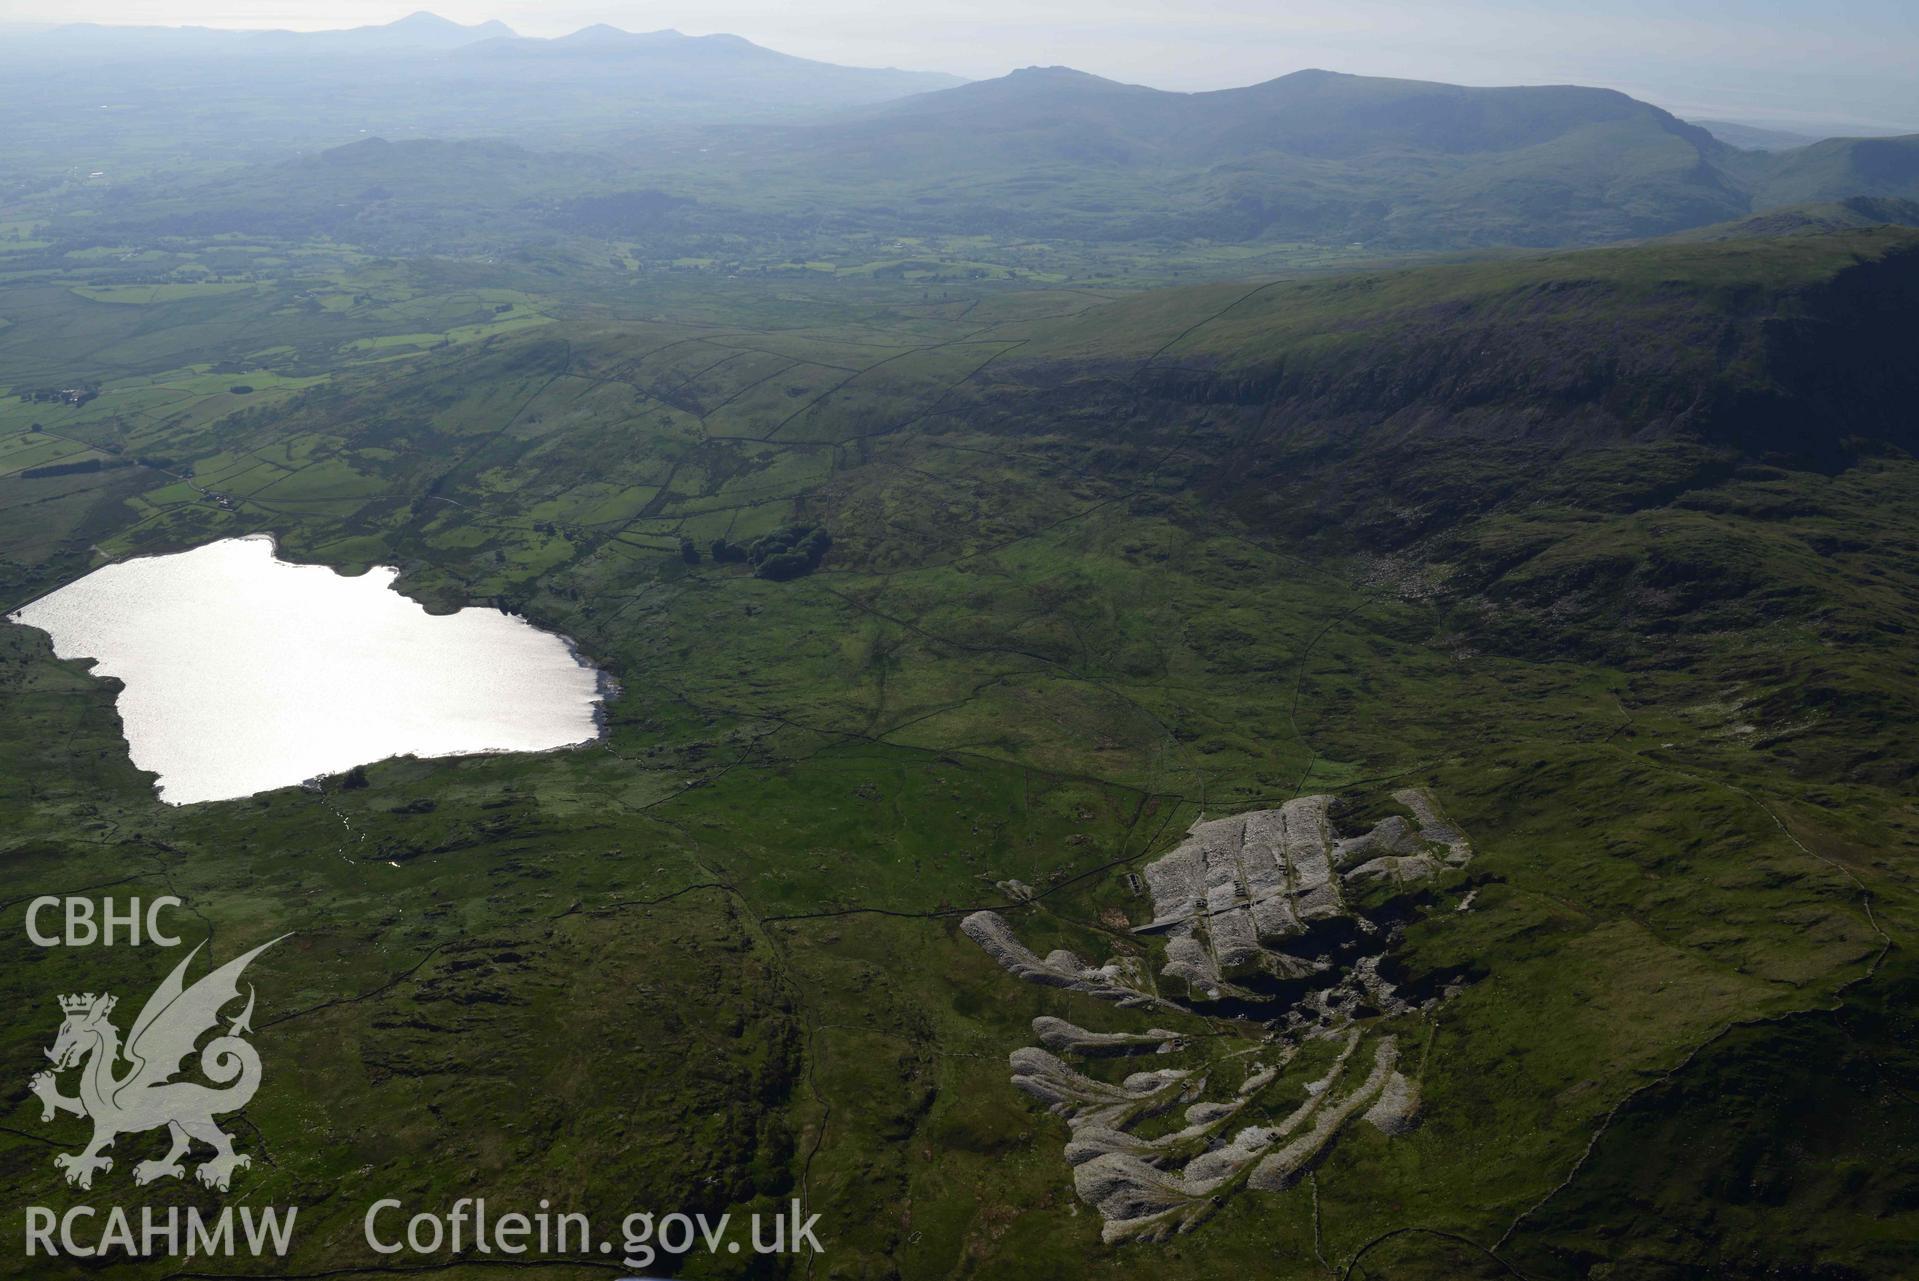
1101, 561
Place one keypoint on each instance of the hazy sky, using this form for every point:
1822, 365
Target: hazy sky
1828, 62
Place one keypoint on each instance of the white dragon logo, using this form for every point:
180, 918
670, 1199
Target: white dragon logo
146, 1097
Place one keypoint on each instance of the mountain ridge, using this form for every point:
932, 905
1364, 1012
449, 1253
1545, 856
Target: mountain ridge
1314, 155
420, 31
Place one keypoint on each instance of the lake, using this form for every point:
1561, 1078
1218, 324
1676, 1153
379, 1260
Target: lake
244, 672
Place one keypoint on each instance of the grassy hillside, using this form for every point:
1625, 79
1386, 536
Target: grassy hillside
1611, 551
1752, 138
1853, 214
1314, 155
1317, 113
1046, 172
1841, 167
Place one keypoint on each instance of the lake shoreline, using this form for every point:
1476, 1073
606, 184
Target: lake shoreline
234, 667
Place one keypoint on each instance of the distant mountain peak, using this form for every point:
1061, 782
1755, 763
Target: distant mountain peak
1031, 85
1054, 74
425, 23
607, 33
420, 30
427, 18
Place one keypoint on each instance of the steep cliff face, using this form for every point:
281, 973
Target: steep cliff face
1840, 366
1807, 370
1651, 458
1370, 417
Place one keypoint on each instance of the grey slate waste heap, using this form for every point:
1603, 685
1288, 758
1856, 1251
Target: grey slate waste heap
1255, 917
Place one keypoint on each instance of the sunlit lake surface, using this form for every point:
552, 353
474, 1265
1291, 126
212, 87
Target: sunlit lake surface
245, 673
